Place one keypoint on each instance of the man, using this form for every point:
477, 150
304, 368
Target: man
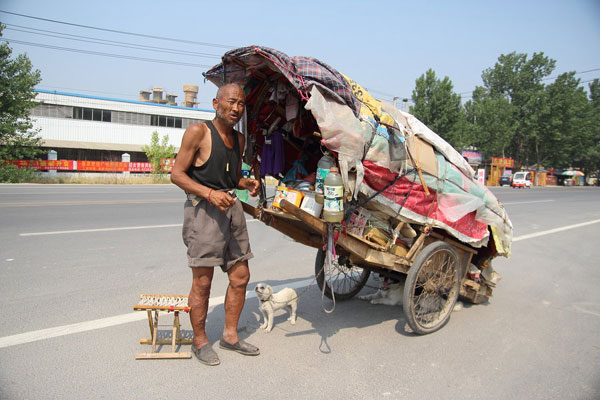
208, 168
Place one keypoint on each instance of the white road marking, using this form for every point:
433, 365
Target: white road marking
64, 330
550, 231
528, 202
95, 192
123, 228
86, 203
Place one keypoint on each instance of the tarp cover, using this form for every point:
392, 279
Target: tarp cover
393, 154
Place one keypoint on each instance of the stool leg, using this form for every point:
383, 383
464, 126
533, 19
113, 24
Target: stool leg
155, 331
174, 336
178, 327
150, 324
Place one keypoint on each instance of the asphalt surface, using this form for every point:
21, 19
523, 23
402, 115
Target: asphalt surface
75, 258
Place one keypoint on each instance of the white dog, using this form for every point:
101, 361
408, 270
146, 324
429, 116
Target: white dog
270, 302
389, 294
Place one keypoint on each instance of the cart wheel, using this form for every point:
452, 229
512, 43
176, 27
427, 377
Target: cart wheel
345, 278
431, 288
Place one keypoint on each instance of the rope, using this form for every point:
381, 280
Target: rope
328, 261
351, 210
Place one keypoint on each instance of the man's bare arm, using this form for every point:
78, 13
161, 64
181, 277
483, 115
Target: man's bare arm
190, 146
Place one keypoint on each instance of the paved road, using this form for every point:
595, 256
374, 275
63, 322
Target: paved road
72, 266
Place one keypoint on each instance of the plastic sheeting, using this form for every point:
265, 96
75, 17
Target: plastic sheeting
420, 129
456, 202
342, 132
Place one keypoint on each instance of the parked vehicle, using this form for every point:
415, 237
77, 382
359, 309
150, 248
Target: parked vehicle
505, 180
521, 180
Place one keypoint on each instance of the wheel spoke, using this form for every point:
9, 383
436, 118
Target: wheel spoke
434, 287
343, 278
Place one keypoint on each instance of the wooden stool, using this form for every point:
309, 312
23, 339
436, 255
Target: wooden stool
168, 303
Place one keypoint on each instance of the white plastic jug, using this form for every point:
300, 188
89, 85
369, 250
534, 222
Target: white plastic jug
323, 167
333, 207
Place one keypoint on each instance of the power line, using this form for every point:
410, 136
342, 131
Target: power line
122, 32
380, 92
543, 79
107, 42
87, 90
576, 73
97, 53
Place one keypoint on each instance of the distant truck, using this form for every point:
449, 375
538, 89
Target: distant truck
521, 179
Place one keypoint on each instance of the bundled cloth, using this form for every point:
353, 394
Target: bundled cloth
406, 170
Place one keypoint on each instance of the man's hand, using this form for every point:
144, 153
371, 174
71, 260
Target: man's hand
252, 185
221, 199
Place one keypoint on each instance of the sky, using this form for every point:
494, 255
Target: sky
383, 45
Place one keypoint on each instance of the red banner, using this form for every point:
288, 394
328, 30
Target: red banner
91, 166
44, 165
102, 166
140, 167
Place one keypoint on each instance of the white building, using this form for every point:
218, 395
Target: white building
81, 127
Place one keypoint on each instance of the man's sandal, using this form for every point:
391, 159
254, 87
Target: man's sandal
240, 347
206, 355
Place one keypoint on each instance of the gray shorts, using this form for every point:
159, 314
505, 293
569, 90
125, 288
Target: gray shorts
213, 237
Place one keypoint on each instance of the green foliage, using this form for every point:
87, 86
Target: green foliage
564, 123
591, 156
12, 174
493, 122
519, 80
437, 106
514, 114
17, 82
157, 150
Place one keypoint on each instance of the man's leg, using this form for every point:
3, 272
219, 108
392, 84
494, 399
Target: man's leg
198, 301
239, 275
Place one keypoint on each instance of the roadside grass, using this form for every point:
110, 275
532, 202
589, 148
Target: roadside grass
104, 179
108, 179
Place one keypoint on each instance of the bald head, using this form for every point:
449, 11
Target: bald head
229, 104
226, 88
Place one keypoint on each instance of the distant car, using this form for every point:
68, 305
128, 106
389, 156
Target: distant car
521, 180
505, 180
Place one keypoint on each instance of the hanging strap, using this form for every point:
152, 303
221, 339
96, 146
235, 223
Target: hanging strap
329, 257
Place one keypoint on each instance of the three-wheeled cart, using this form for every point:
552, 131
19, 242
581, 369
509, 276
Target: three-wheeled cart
435, 265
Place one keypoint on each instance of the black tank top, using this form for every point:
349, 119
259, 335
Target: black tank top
220, 171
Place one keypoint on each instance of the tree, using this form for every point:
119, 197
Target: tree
158, 150
493, 122
519, 79
17, 82
437, 106
565, 123
592, 157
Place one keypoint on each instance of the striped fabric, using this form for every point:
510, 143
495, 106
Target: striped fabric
302, 72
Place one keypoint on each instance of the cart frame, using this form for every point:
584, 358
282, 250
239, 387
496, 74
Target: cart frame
311, 231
